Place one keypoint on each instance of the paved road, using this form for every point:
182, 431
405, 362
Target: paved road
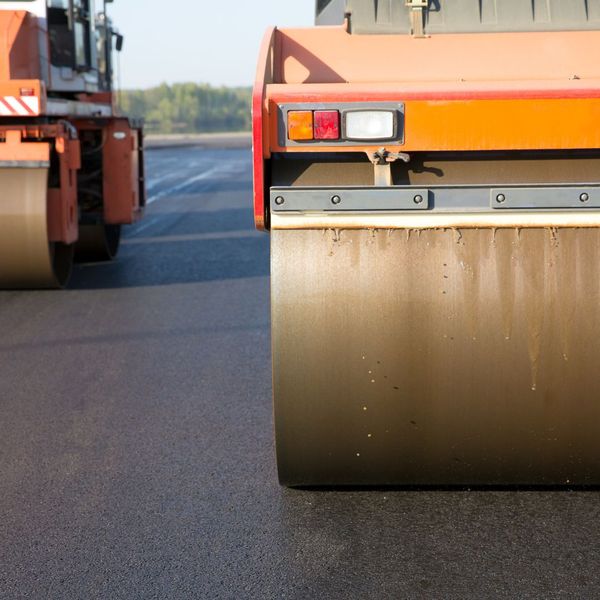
136, 458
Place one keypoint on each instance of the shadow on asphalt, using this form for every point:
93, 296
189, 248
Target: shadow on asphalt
129, 337
155, 263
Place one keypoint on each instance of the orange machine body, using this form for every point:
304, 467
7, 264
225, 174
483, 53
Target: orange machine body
461, 92
19, 35
35, 127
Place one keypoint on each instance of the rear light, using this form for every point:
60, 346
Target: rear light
370, 125
300, 125
343, 124
27, 92
327, 125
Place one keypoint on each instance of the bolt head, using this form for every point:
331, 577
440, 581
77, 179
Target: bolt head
279, 200
418, 199
335, 199
500, 198
584, 197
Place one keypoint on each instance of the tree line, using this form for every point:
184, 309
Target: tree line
189, 108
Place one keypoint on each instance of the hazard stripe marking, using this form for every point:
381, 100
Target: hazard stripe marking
32, 102
18, 108
25, 106
4, 108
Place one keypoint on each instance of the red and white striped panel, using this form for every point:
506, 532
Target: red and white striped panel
19, 106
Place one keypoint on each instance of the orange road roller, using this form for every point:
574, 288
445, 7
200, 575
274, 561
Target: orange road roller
71, 168
429, 175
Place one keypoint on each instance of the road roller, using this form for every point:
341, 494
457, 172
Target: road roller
71, 168
429, 175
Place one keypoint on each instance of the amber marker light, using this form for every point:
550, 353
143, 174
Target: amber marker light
300, 125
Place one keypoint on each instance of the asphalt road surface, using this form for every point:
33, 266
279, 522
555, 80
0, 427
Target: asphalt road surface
136, 453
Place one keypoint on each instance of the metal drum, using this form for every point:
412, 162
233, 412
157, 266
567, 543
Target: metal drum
27, 259
436, 356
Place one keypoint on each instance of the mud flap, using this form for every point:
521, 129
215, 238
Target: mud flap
437, 356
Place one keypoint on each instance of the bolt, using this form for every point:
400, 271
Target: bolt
500, 198
279, 200
418, 199
335, 199
584, 197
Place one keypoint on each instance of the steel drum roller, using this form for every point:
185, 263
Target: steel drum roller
97, 243
436, 356
27, 259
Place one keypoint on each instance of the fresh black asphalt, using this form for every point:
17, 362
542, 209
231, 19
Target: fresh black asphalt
136, 451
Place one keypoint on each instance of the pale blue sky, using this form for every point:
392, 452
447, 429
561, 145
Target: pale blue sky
198, 40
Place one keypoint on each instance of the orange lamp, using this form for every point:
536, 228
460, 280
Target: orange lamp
300, 125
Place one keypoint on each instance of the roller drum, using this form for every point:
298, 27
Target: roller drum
27, 259
97, 243
436, 357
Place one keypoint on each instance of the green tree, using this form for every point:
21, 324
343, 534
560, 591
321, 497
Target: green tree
189, 108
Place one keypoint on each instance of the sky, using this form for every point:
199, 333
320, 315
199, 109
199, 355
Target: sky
204, 41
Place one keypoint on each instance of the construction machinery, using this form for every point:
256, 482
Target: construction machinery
429, 172
71, 169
